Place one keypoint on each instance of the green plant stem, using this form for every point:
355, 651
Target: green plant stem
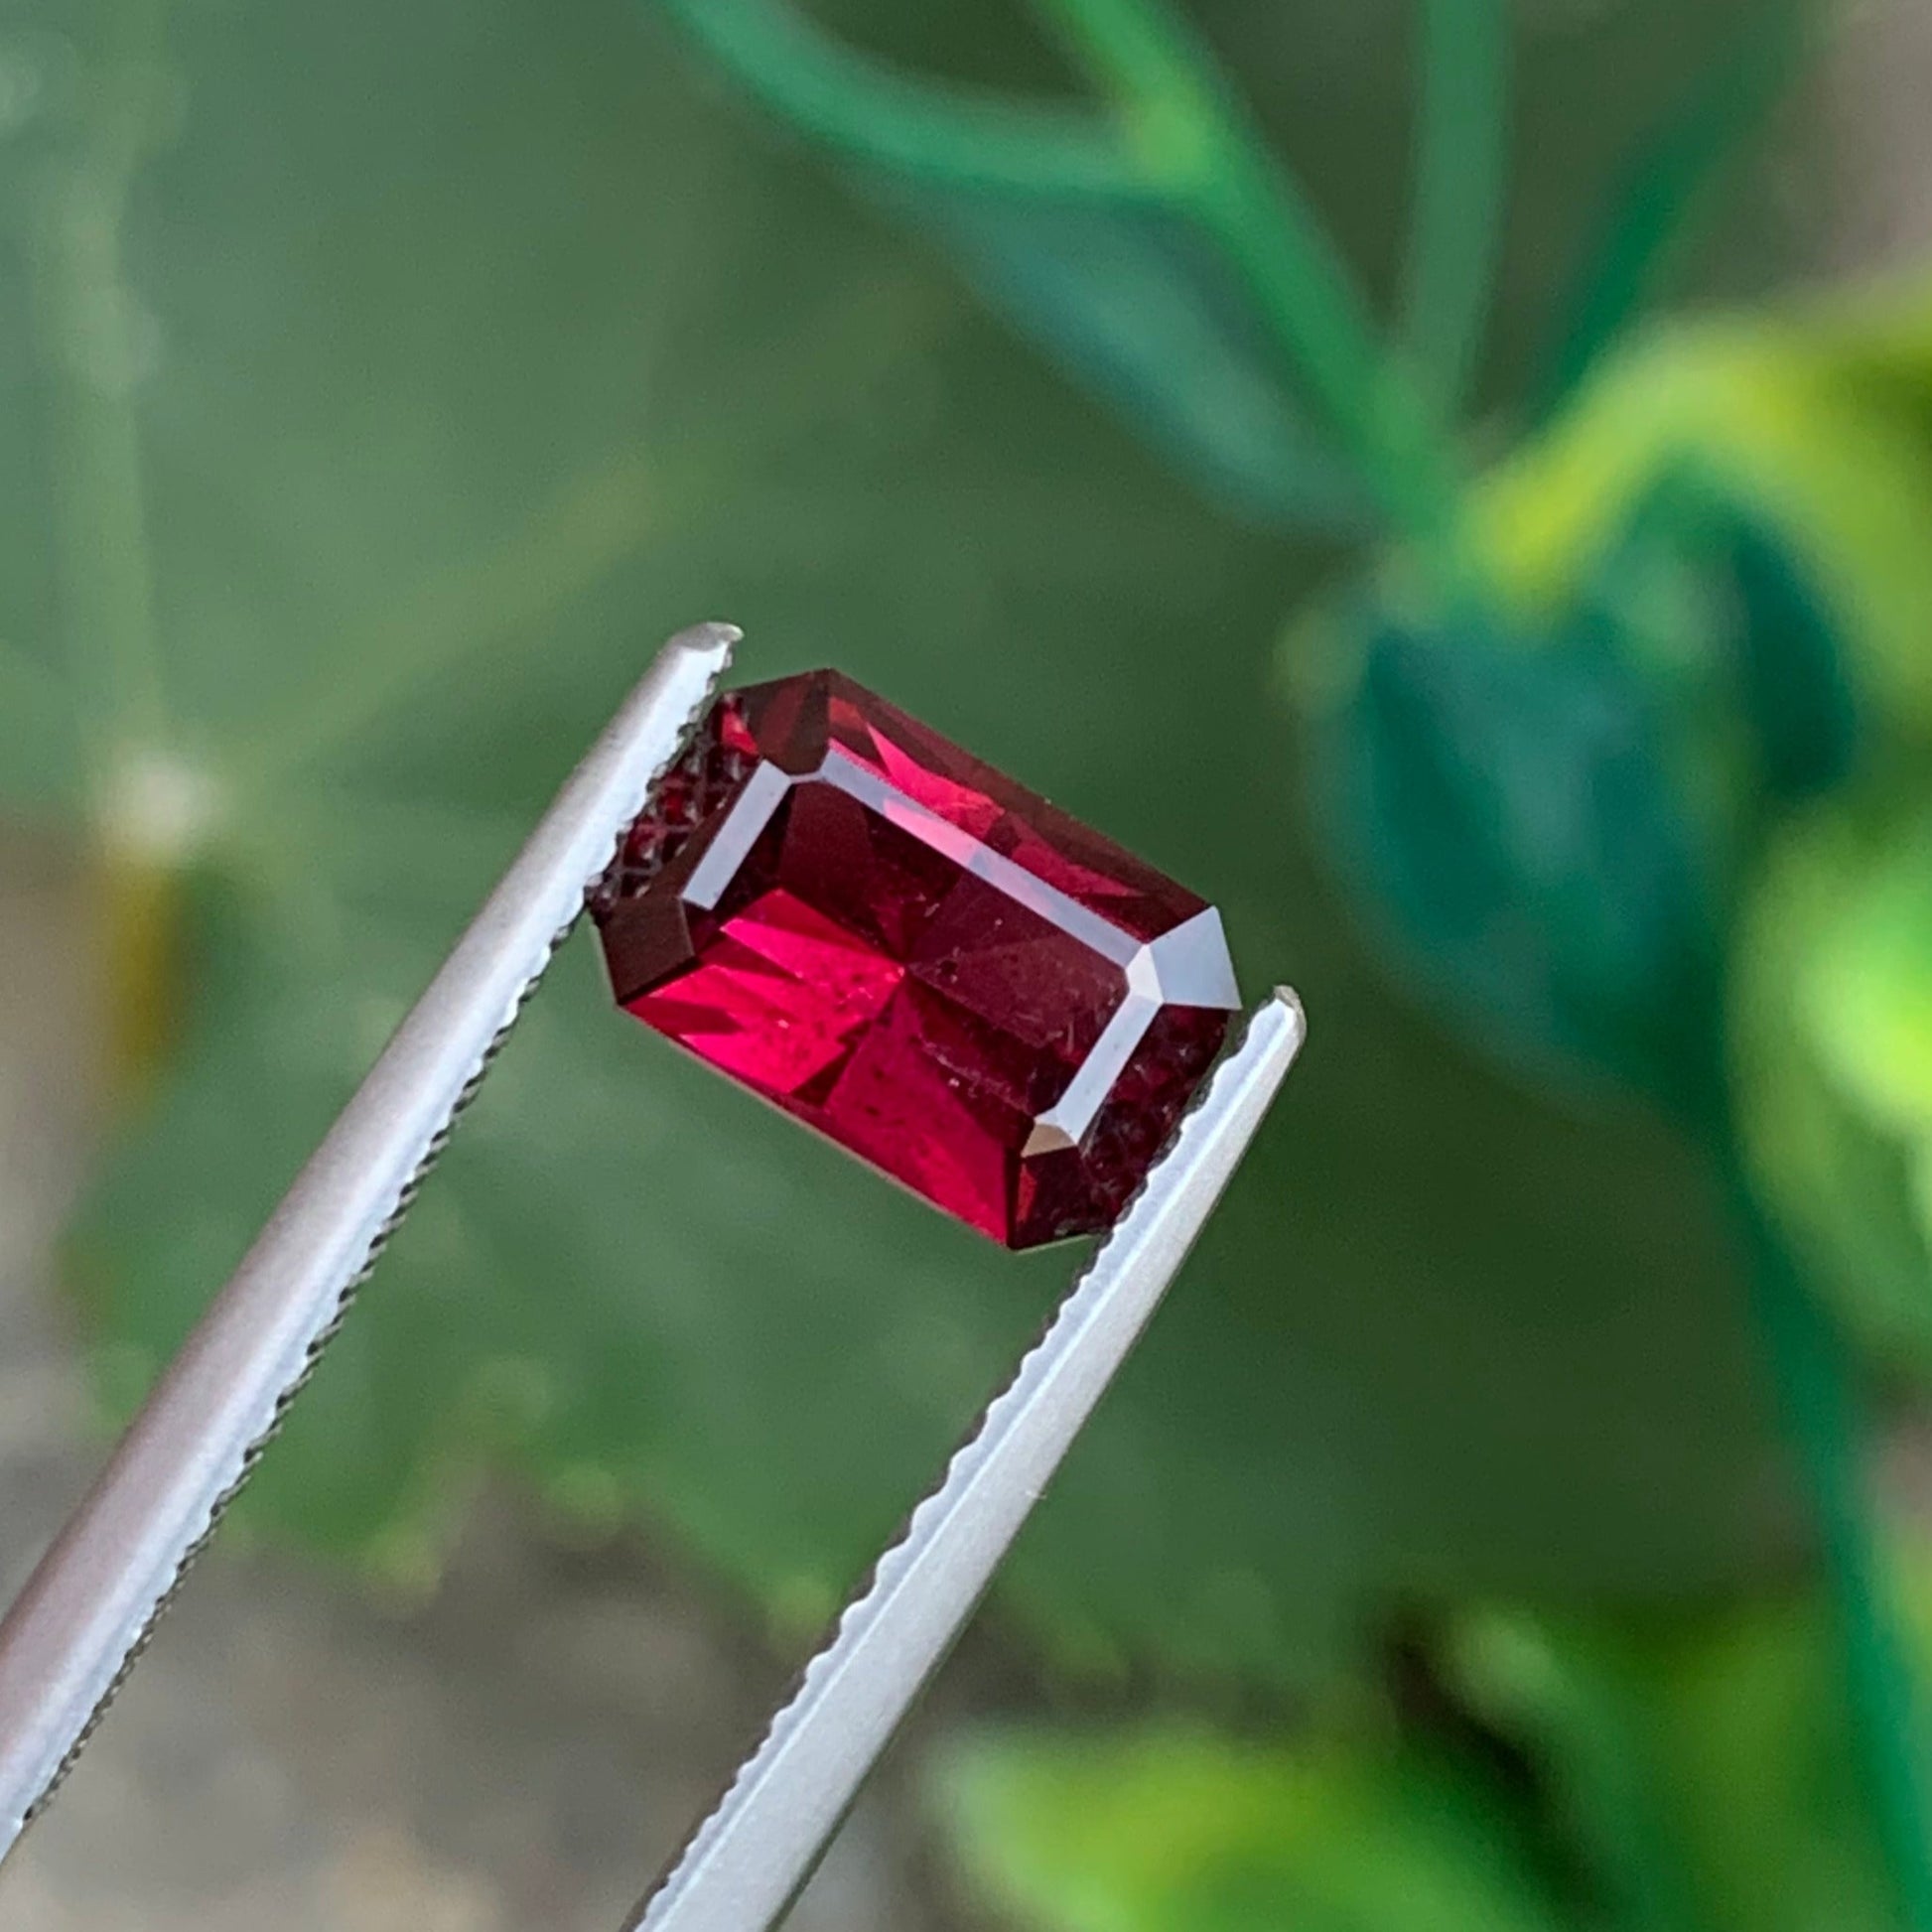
1461, 170
1196, 141
88, 330
1822, 1413
1176, 138
893, 120
1657, 207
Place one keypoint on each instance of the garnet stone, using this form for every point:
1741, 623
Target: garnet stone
888, 939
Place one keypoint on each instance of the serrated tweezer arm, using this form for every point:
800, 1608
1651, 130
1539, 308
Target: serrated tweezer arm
747, 1862
80, 1622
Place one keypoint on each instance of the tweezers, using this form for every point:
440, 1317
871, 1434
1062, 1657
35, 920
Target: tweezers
86, 1612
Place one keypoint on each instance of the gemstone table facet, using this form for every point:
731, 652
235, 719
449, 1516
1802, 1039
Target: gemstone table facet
931, 965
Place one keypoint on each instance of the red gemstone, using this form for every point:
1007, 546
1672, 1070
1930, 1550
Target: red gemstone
924, 961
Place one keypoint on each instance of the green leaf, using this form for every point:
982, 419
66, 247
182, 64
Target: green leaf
1723, 614
1173, 1831
1831, 1057
1796, 685
1552, 817
1869, 995
1506, 807
1701, 1764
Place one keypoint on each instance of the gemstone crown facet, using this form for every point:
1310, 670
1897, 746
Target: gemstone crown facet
933, 966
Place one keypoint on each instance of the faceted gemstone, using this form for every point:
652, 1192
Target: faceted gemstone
888, 939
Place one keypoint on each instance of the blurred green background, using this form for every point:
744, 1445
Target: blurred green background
1396, 487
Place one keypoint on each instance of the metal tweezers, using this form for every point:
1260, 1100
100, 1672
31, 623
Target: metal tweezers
86, 1612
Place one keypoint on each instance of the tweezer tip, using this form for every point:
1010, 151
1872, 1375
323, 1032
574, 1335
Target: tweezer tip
712, 641
1287, 996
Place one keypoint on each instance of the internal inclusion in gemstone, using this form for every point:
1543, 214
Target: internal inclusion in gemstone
931, 965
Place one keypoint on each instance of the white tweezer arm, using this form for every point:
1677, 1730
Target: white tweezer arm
748, 1859
78, 1626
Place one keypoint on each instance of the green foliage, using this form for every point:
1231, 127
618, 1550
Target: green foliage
1074, 235
1832, 1050
1558, 802
1700, 1768
629, 1286
1507, 808
1693, 1771
1793, 690
1130, 301
1741, 658
1166, 1831
1553, 824
1156, 249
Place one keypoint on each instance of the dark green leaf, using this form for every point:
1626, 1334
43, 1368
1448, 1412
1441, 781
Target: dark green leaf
1506, 805
1750, 624
1701, 1764
1796, 693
